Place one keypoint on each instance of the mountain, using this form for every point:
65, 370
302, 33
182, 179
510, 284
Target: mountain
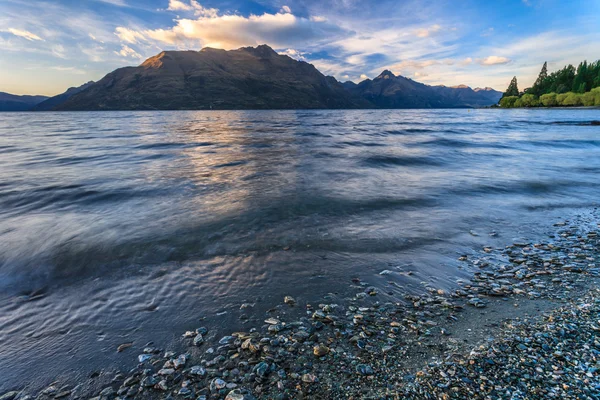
53, 102
13, 102
247, 78
391, 91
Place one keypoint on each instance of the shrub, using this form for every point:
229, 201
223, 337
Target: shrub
529, 100
548, 100
588, 99
572, 99
518, 103
596, 93
508, 102
560, 98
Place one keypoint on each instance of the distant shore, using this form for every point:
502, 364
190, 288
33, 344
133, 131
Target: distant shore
531, 300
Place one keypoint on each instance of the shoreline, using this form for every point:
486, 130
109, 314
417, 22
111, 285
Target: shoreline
357, 347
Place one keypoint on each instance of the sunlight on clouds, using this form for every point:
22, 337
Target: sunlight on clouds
211, 29
426, 32
295, 54
176, 5
493, 60
129, 35
127, 51
24, 34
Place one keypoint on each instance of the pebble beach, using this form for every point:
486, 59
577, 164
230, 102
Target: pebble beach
524, 327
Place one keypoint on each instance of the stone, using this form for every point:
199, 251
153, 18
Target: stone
240, 394
198, 340
320, 350
217, 384
289, 300
364, 369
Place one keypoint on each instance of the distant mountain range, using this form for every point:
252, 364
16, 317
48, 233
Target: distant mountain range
13, 102
250, 78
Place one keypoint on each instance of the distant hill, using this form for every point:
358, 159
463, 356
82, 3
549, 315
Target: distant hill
247, 78
13, 102
391, 91
53, 102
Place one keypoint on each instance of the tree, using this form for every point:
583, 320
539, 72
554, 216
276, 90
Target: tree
572, 99
539, 87
588, 99
508, 102
560, 98
513, 88
529, 100
548, 99
579, 83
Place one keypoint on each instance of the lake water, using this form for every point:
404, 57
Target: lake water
134, 226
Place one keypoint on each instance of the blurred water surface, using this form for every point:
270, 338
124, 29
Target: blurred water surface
122, 226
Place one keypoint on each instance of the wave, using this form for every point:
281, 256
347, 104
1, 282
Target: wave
401, 161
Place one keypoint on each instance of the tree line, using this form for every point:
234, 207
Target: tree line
567, 87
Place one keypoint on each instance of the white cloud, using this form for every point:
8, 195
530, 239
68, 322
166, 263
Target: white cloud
211, 29
127, 51
176, 5
295, 54
493, 60
363, 76
72, 70
59, 51
129, 35
119, 3
426, 32
286, 10
24, 34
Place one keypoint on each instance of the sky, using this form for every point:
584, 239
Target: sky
49, 46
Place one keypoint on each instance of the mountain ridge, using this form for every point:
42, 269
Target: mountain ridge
252, 78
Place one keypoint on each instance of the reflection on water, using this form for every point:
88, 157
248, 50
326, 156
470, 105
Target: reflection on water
133, 225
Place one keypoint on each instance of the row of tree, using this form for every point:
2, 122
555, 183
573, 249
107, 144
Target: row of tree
568, 86
569, 99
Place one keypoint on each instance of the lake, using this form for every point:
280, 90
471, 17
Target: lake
134, 226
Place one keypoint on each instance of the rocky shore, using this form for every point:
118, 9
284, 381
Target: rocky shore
526, 326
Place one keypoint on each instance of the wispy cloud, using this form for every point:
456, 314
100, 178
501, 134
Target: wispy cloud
493, 60
24, 34
426, 32
127, 51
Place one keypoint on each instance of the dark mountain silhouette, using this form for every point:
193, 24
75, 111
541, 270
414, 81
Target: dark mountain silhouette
53, 102
247, 78
253, 78
13, 102
391, 91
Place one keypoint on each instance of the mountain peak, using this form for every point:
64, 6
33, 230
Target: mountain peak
387, 74
460, 87
263, 51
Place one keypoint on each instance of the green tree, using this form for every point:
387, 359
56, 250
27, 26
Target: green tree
508, 102
579, 82
513, 88
548, 99
560, 98
529, 100
588, 99
596, 92
539, 87
572, 99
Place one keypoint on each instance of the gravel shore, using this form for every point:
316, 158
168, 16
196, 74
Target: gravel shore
524, 327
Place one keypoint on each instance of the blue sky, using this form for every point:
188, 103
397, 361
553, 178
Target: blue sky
48, 46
